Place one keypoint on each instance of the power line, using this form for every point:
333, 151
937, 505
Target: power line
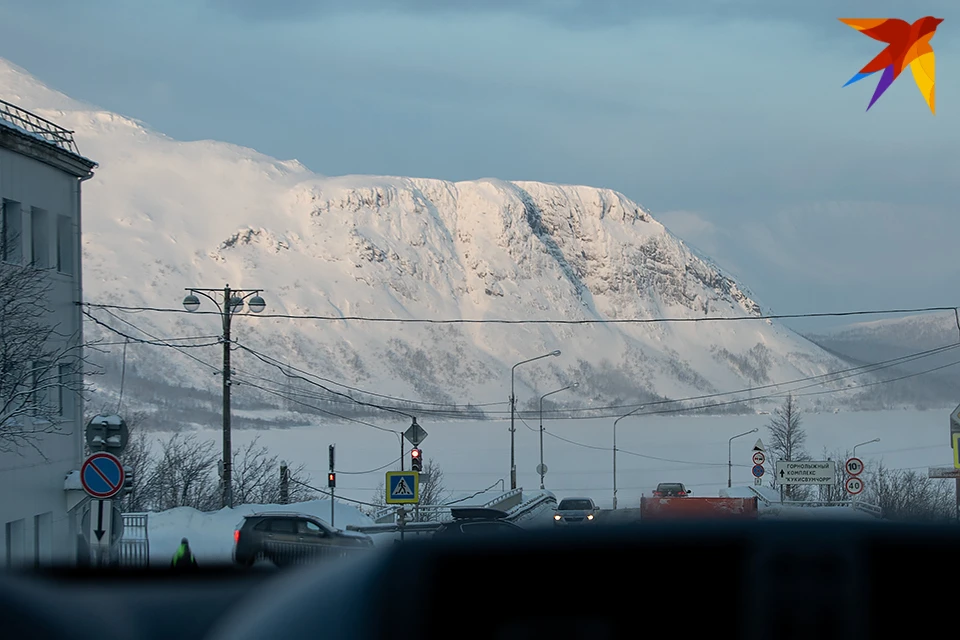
159, 342
776, 316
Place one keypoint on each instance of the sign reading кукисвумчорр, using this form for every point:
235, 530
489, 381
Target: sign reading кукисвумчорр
806, 472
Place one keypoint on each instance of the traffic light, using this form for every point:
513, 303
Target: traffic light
416, 460
331, 480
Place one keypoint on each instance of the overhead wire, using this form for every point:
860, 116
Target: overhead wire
342, 318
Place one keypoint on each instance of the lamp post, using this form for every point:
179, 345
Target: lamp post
233, 300
863, 443
541, 468
626, 415
730, 455
513, 405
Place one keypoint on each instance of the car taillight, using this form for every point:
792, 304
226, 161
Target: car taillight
681, 493
236, 536
656, 494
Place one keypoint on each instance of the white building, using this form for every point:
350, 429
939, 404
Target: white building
41, 171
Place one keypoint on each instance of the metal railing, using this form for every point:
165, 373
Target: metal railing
32, 123
134, 545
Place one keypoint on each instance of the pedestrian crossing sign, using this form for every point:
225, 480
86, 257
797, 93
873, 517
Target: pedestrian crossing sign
403, 487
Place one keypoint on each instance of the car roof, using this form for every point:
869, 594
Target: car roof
576, 498
477, 513
280, 514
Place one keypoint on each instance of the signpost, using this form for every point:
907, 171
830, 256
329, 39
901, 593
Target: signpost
402, 487
854, 466
332, 489
759, 458
102, 477
854, 485
806, 472
415, 434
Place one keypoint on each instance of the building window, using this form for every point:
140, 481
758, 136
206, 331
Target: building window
16, 543
65, 391
64, 245
39, 238
12, 232
40, 394
43, 539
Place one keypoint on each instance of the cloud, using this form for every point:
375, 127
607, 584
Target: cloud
584, 14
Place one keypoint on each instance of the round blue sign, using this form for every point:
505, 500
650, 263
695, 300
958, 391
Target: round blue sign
757, 470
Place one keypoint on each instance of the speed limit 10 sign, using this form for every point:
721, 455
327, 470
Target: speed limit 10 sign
854, 466
854, 485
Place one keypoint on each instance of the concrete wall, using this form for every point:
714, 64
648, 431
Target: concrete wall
35, 524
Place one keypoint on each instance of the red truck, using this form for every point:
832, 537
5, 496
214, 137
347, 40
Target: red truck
670, 503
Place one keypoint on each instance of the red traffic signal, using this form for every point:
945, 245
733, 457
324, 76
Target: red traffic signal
416, 460
331, 480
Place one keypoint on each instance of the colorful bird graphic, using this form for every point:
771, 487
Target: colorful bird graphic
907, 44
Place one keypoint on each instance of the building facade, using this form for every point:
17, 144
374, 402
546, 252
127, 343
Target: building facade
41, 406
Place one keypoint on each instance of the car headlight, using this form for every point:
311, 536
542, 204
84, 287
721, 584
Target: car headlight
589, 516
556, 516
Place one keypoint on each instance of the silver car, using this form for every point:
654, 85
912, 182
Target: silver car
574, 511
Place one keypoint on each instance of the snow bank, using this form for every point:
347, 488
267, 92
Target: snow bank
211, 534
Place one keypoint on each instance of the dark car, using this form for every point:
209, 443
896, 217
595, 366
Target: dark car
292, 538
671, 490
476, 521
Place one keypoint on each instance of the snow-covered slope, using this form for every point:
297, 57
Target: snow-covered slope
161, 215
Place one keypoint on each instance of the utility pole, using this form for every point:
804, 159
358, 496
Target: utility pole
232, 302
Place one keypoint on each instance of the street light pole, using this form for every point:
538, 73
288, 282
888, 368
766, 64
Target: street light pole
730, 455
863, 443
626, 415
233, 300
541, 468
513, 405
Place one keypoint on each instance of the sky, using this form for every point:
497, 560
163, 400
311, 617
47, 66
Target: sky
727, 119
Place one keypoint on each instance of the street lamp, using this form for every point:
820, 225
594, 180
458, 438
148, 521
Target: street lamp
626, 415
542, 470
232, 303
730, 455
513, 405
863, 443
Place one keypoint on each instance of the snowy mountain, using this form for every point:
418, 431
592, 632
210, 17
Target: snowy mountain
162, 215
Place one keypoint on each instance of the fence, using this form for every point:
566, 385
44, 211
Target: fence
40, 127
134, 544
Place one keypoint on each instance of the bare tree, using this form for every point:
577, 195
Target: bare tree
904, 494
256, 477
38, 365
836, 492
182, 475
433, 492
787, 438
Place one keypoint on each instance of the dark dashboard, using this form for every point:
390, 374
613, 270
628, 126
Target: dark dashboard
811, 580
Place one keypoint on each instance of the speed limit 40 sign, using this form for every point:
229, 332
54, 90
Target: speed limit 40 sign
854, 485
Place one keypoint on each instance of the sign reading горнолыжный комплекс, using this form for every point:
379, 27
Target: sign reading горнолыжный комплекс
806, 472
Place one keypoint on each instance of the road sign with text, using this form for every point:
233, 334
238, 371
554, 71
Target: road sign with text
854, 485
854, 466
806, 472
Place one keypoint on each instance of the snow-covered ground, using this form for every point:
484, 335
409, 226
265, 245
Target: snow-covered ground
475, 455
211, 534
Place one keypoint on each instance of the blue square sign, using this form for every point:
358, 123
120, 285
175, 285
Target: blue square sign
403, 487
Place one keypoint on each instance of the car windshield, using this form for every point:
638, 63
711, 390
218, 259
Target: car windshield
670, 488
575, 505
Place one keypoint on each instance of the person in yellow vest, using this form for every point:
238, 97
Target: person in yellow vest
183, 558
